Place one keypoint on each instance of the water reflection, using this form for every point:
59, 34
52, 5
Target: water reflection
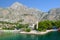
18, 36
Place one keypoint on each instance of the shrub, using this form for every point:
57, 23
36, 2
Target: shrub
8, 28
39, 29
27, 29
19, 26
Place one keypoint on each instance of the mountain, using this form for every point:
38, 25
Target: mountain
17, 12
54, 14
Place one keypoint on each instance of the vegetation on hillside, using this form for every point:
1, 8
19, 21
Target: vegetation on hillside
42, 25
46, 24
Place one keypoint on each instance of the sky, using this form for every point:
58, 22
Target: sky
43, 5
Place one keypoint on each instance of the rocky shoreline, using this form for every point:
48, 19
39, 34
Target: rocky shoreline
31, 32
38, 32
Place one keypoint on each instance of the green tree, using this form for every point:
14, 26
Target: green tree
19, 26
57, 23
44, 25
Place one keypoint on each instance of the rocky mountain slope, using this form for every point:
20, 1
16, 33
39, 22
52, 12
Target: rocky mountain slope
18, 11
54, 14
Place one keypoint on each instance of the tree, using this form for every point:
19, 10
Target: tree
27, 29
57, 23
44, 25
19, 26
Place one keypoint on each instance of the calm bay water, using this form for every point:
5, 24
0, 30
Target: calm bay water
17, 36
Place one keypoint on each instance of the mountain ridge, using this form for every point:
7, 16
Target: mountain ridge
18, 11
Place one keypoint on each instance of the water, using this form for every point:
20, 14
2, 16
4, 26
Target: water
17, 36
